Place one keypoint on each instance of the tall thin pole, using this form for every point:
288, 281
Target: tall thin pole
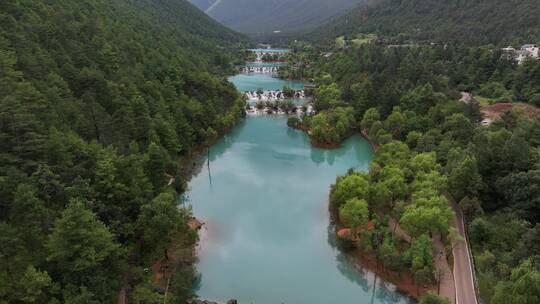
208, 165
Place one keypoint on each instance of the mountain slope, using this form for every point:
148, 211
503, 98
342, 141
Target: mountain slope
266, 16
203, 4
186, 16
100, 100
473, 21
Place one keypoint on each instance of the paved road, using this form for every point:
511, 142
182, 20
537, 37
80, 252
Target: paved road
463, 270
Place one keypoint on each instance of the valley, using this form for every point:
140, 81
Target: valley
264, 226
259, 17
278, 151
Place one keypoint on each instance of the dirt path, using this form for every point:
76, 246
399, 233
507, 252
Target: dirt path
447, 287
396, 228
463, 268
496, 111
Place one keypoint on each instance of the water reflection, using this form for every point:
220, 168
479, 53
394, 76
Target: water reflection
226, 142
267, 239
331, 237
329, 157
317, 156
292, 133
249, 82
386, 293
380, 290
352, 272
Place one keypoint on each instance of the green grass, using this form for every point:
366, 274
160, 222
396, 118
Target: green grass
485, 101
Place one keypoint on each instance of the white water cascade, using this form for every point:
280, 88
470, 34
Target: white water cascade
261, 69
273, 95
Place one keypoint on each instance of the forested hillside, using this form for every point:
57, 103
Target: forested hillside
98, 102
407, 102
457, 21
186, 16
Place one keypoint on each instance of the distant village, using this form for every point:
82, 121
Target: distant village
520, 55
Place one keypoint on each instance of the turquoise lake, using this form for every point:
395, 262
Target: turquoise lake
267, 238
253, 81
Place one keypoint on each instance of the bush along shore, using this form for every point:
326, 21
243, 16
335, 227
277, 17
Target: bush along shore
393, 216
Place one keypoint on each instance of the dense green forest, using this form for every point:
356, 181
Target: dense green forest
99, 100
414, 78
185, 16
406, 100
452, 21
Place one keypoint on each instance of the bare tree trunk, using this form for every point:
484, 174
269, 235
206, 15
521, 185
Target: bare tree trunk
94, 121
168, 283
374, 285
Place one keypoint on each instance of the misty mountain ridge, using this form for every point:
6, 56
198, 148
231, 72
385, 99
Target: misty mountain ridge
469, 22
267, 16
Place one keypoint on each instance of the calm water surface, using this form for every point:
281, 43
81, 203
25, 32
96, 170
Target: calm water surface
249, 82
254, 81
267, 238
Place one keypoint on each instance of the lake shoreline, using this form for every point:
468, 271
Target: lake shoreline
332, 146
404, 282
198, 190
190, 166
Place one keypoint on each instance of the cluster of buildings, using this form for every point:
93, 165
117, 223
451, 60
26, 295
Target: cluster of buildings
526, 51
